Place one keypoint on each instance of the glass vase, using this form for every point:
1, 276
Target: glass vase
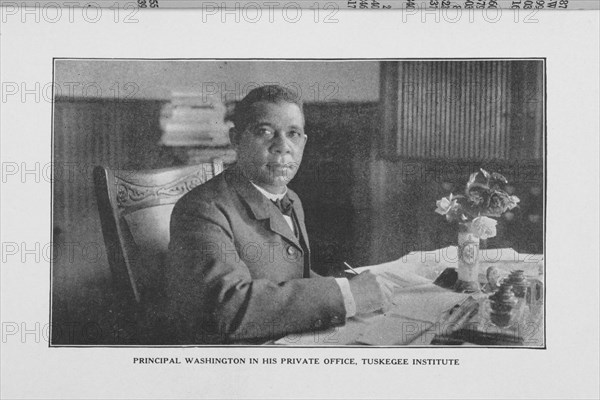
468, 260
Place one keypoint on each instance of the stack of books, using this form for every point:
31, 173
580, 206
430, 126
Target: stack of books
196, 122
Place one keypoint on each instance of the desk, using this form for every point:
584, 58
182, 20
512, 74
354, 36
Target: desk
420, 307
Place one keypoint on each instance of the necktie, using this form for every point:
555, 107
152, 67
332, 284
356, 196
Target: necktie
284, 205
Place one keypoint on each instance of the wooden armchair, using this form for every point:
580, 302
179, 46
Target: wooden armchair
135, 210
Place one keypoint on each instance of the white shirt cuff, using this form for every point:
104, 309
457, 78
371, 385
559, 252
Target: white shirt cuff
349, 302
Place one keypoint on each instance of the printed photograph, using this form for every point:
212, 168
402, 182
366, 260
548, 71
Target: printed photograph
303, 203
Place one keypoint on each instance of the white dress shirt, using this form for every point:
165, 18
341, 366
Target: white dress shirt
349, 303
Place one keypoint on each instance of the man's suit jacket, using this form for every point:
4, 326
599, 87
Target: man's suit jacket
237, 271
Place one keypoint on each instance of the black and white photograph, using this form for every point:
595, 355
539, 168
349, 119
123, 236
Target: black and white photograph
302, 203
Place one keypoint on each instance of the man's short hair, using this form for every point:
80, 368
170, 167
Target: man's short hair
270, 94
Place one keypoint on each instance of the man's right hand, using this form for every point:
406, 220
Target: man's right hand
369, 294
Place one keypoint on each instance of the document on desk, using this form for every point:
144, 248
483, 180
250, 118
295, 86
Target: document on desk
335, 336
397, 273
416, 297
417, 305
414, 312
391, 329
426, 302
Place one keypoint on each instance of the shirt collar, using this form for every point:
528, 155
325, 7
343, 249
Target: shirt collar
269, 195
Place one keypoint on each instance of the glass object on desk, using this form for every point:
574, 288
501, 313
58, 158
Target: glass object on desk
535, 292
519, 283
468, 260
493, 279
503, 306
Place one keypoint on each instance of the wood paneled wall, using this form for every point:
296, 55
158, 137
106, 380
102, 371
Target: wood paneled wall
90, 132
463, 110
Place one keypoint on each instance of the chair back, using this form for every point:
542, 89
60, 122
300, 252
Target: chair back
135, 210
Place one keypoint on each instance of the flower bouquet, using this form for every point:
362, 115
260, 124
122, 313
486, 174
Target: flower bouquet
485, 197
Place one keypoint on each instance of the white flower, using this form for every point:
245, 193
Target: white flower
445, 205
484, 227
513, 200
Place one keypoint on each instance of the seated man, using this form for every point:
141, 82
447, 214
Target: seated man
239, 253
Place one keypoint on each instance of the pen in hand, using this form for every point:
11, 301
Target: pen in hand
350, 268
381, 277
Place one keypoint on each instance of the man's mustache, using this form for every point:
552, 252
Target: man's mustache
289, 165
